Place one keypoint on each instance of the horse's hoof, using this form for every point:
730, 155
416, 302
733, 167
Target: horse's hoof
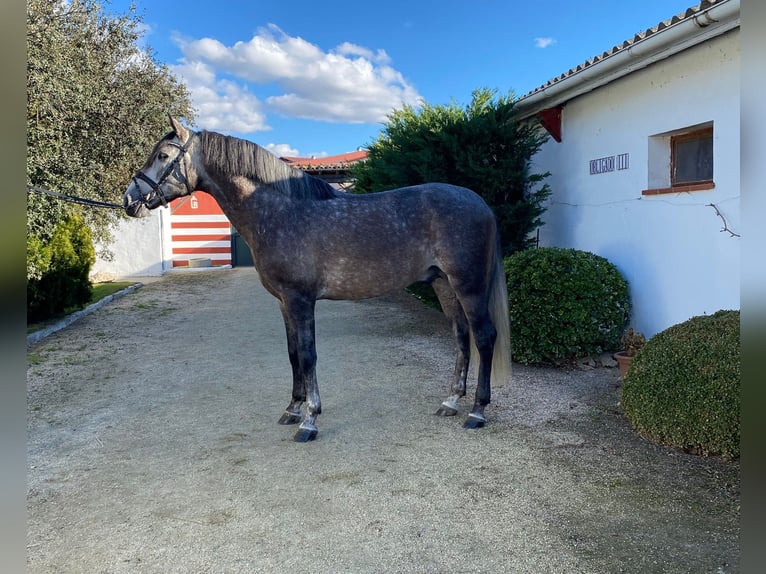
445, 411
474, 422
289, 418
305, 435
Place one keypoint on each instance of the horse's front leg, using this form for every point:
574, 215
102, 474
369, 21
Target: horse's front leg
292, 414
299, 319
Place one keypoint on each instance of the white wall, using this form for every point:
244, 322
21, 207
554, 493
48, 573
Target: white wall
138, 249
669, 247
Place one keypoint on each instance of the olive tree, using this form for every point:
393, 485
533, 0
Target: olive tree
96, 100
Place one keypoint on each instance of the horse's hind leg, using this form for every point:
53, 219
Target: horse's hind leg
454, 311
484, 334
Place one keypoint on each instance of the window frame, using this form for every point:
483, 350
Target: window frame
685, 137
662, 161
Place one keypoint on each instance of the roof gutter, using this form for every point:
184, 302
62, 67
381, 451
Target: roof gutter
714, 21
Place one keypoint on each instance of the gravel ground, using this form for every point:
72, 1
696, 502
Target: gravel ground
153, 447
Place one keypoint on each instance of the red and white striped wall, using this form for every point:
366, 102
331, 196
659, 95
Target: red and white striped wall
199, 230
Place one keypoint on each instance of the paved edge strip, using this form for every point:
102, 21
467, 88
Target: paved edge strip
37, 336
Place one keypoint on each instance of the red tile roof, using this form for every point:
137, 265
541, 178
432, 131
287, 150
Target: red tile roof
341, 161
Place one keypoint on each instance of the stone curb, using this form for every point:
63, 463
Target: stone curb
37, 336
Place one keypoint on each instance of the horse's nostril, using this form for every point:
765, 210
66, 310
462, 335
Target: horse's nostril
132, 207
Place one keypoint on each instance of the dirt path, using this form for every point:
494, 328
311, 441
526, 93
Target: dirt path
153, 447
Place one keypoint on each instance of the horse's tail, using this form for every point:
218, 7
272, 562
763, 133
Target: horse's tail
498, 311
497, 302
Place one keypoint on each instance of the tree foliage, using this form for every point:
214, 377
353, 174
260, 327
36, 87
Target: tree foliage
482, 147
95, 102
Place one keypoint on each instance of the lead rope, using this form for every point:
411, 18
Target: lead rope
73, 198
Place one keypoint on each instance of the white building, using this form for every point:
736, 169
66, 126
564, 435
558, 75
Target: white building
139, 248
646, 172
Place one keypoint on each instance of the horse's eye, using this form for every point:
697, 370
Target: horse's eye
162, 156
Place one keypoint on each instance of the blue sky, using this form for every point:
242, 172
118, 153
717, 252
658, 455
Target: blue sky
318, 78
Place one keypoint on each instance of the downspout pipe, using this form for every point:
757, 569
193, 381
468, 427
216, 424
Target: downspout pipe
684, 34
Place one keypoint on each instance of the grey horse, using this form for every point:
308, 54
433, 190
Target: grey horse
310, 241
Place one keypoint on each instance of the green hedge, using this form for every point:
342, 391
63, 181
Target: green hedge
64, 268
682, 389
564, 304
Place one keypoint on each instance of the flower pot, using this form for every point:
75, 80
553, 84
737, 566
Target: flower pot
623, 360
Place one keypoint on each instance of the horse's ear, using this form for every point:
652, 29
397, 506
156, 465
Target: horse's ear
181, 132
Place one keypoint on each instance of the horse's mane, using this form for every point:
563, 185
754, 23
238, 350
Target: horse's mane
234, 156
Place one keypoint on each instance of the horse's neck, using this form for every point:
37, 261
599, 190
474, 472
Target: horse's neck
245, 194
253, 205
237, 196
250, 206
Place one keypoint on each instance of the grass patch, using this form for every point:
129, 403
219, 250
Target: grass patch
100, 290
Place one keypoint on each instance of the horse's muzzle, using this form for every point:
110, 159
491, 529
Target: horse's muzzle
134, 206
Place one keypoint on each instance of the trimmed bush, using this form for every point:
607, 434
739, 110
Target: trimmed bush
564, 304
64, 268
682, 388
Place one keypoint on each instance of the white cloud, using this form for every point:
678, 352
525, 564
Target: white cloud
544, 42
282, 150
349, 49
222, 105
348, 84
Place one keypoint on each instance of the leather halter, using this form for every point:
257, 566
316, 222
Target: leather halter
173, 168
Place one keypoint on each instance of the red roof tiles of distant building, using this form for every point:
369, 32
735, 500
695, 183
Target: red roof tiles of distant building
341, 161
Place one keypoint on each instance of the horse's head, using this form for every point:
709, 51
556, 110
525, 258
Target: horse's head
164, 176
